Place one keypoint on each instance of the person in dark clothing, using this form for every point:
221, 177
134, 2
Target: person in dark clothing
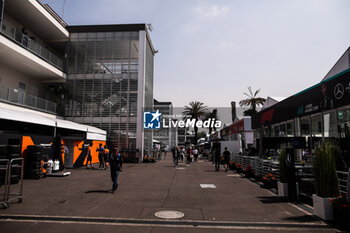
116, 166
217, 160
227, 158
188, 156
89, 156
100, 151
176, 153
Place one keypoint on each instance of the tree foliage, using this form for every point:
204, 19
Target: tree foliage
195, 110
253, 101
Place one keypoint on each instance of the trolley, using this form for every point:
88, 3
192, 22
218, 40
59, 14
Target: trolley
15, 163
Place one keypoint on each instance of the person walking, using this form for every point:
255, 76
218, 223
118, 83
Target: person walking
227, 158
188, 156
100, 150
176, 152
116, 166
195, 154
89, 156
105, 156
182, 153
217, 160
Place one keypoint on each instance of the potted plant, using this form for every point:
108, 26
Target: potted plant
153, 159
248, 172
283, 170
232, 165
238, 167
326, 179
269, 180
146, 159
341, 210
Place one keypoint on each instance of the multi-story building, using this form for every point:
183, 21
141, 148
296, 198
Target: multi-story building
91, 76
166, 136
110, 82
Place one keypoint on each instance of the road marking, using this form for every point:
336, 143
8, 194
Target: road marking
234, 175
180, 168
271, 226
208, 186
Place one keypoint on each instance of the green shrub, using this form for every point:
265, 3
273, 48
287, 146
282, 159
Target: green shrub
283, 170
326, 179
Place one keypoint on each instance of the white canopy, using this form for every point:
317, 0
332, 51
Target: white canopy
15, 115
71, 125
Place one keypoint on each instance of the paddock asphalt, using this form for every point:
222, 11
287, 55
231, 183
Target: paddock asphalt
226, 202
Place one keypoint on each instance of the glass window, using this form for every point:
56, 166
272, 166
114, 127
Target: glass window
305, 126
282, 130
290, 129
344, 123
330, 124
276, 130
316, 126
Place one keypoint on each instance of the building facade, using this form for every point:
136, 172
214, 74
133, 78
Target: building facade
33, 41
74, 80
167, 137
110, 82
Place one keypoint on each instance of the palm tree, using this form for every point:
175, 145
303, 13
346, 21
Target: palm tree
211, 115
195, 110
252, 101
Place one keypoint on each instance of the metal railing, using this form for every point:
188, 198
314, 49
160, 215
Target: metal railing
303, 172
31, 45
342, 181
21, 98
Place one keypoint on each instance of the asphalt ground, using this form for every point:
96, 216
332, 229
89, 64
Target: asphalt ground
82, 202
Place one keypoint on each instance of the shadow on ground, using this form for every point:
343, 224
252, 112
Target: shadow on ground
304, 218
98, 191
271, 200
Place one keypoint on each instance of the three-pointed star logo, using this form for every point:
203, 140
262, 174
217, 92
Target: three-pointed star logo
155, 115
339, 91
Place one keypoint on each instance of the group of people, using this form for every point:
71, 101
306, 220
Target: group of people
181, 153
225, 157
103, 154
106, 159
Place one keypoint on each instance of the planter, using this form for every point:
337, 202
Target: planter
322, 207
283, 189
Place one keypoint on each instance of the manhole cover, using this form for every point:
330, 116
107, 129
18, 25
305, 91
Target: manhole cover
169, 214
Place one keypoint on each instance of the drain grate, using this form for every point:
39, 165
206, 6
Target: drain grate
169, 214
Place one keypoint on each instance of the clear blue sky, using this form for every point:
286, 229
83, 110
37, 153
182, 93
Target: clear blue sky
212, 51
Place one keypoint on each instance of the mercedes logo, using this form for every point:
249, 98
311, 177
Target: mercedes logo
339, 91
288, 159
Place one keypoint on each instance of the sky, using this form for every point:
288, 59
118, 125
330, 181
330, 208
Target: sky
211, 51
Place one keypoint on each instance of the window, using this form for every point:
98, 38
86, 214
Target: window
290, 129
316, 126
305, 126
330, 124
344, 123
22, 86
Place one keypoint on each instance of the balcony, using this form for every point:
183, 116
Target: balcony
18, 97
31, 45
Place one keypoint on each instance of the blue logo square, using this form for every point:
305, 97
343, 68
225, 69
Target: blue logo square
151, 120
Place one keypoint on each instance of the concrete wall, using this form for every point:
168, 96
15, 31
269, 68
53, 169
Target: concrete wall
10, 78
